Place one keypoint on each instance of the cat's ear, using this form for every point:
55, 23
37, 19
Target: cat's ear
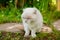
35, 11
35, 8
23, 10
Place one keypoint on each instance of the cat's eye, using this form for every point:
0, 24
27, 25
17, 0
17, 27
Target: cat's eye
34, 12
23, 17
28, 18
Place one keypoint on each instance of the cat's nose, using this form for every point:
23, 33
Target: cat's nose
25, 20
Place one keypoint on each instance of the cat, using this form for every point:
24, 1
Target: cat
32, 21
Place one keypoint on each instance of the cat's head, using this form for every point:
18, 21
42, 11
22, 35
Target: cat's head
29, 14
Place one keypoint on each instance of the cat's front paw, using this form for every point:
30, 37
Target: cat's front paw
33, 35
26, 35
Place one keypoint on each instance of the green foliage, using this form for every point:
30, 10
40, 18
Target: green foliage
10, 15
4, 1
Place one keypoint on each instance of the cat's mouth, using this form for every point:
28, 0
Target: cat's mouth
30, 22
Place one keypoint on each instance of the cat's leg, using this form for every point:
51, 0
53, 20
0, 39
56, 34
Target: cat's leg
33, 33
26, 29
40, 25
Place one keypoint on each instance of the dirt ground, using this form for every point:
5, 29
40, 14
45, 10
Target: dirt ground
57, 24
17, 27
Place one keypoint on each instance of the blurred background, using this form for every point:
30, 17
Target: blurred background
10, 13
11, 10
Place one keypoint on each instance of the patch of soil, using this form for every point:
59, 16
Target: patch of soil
57, 24
18, 27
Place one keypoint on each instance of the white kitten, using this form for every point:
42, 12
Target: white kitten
32, 21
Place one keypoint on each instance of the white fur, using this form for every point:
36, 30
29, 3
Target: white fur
32, 21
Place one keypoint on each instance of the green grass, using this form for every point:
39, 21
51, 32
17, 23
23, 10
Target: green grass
19, 36
50, 17
10, 15
14, 15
